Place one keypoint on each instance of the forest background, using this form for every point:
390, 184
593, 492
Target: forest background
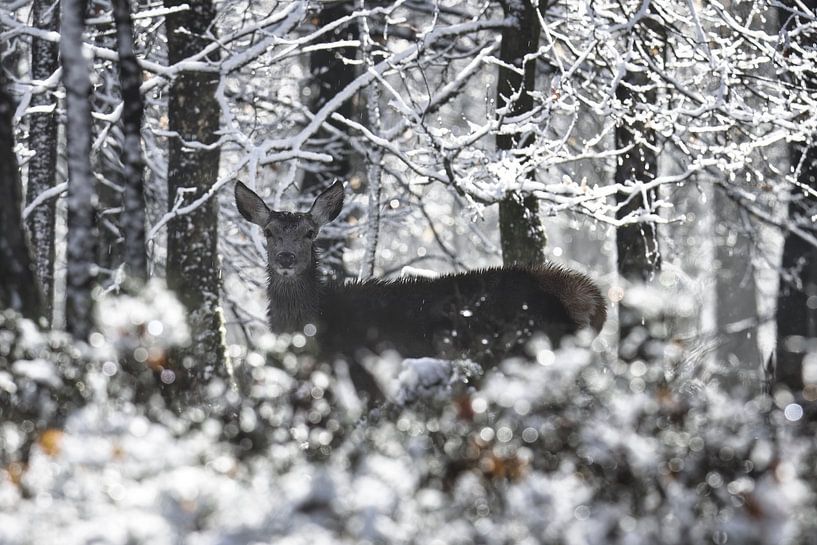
665, 147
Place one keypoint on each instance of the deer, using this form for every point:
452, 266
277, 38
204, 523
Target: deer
485, 315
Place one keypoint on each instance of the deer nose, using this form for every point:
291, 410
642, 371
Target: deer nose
286, 259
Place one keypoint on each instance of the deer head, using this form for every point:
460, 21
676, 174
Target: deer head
290, 235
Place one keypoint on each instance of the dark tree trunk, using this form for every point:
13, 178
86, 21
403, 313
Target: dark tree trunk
521, 231
329, 75
82, 234
42, 168
18, 290
132, 218
637, 244
192, 239
638, 255
797, 298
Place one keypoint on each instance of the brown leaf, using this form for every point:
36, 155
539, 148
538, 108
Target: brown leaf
50, 440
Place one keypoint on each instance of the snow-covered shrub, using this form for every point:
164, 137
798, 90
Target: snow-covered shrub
560, 448
288, 400
145, 325
430, 379
142, 328
43, 378
148, 329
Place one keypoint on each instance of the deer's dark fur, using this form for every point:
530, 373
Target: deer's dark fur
483, 314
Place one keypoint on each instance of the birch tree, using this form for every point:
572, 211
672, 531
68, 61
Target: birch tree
42, 167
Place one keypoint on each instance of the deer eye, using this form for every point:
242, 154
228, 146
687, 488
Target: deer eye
267, 233
310, 233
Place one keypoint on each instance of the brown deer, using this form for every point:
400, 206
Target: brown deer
485, 315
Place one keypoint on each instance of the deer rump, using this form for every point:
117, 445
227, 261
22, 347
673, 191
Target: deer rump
484, 315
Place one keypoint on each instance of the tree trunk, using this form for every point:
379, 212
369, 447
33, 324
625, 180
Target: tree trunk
520, 227
132, 218
82, 235
736, 300
797, 298
637, 244
192, 239
373, 157
42, 168
736, 295
638, 255
17, 290
329, 75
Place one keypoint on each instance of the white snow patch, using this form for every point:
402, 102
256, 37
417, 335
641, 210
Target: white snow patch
422, 378
41, 371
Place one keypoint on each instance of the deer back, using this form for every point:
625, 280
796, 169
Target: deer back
482, 314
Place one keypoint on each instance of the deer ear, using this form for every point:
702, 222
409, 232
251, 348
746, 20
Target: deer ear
328, 204
250, 205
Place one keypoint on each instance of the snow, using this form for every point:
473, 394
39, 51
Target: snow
428, 378
41, 371
421, 378
523, 454
153, 317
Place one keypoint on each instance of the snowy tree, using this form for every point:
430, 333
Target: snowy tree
19, 289
81, 243
42, 168
107, 145
132, 217
193, 160
796, 317
735, 255
521, 231
330, 71
638, 253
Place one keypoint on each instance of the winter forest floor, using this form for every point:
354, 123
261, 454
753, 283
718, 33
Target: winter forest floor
569, 447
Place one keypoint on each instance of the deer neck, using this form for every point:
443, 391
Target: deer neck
293, 302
